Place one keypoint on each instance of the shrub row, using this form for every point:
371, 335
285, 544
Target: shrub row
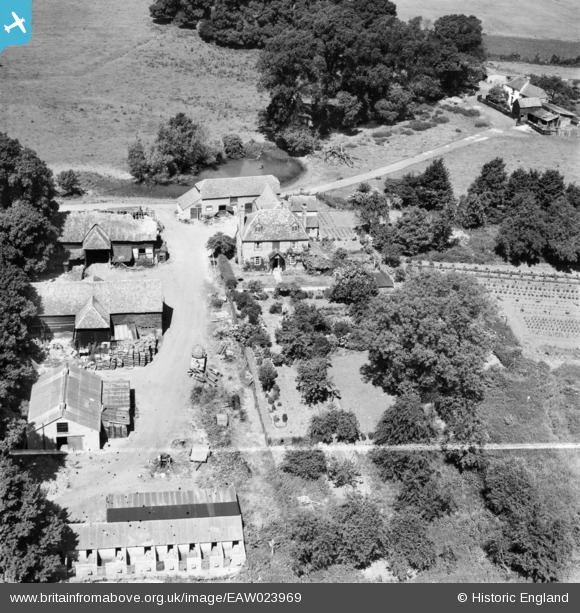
226, 272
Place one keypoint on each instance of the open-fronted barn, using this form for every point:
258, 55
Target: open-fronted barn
197, 532
91, 310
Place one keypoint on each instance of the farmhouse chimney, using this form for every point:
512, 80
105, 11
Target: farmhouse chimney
304, 214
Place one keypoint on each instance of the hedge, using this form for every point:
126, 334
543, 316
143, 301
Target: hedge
226, 272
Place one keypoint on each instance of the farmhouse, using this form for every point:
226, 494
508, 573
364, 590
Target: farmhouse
520, 87
175, 533
93, 236
66, 406
523, 106
224, 196
269, 237
97, 311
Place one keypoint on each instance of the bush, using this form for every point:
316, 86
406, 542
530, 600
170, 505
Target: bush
267, 375
255, 287
275, 308
420, 126
342, 424
342, 473
481, 124
313, 382
221, 243
278, 359
226, 272
233, 146
407, 132
69, 183
298, 141
459, 110
309, 464
440, 118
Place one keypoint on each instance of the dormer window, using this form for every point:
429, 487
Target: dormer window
258, 228
294, 227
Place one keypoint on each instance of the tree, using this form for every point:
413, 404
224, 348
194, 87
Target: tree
435, 191
137, 161
27, 207
353, 284
310, 464
409, 546
69, 183
33, 530
371, 206
315, 542
562, 232
412, 232
343, 472
221, 244
313, 381
471, 211
498, 95
234, 146
334, 423
490, 187
268, 375
429, 334
404, 423
301, 334
522, 233
17, 310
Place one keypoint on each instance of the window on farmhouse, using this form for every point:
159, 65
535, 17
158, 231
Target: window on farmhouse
257, 261
258, 228
257, 246
294, 227
62, 427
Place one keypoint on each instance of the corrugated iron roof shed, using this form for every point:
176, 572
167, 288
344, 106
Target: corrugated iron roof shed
69, 393
147, 506
117, 394
115, 297
160, 532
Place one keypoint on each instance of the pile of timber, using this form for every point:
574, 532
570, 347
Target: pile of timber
132, 353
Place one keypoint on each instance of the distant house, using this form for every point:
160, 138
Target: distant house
93, 236
520, 87
305, 208
224, 196
92, 310
270, 236
66, 406
174, 533
566, 117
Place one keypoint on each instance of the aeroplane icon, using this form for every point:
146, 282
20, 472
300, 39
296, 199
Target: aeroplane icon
17, 23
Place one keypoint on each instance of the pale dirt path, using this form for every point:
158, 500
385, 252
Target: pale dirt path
161, 389
401, 164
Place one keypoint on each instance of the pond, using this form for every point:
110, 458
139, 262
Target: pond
277, 163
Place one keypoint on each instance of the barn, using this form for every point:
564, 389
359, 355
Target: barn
176, 533
68, 407
95, 311
90, 237
65, 410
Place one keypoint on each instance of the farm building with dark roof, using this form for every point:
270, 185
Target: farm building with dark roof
179, 533
94, 236
91, 310
520, 87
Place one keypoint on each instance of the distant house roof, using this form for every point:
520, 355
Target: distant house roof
92, 316
176, 504
228, 187
528, 103
161, 532
383, 280
543, 114
67, 393
80, 226
297, 202
523, 85
312, 222
277, 224
268, 197
558, 109
114, 297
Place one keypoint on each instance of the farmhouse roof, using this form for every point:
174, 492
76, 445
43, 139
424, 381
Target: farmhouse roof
67, 393
268, 197
312, 222
228, 187
150, 506
523, 85
296, 203
273, 225
60, 298
92, 316
528, 103
160, 532
79, 226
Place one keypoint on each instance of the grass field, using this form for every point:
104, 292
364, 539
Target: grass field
94, 78
527, 48
531, 18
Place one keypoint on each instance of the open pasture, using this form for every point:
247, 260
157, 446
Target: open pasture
98, 75
527, 48
534, 18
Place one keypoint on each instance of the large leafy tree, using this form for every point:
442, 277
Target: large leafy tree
430, 335
371, 206
353, 284
313, 381
342, 424
405, 422
27, 207
33, 530
490, 188
221, 243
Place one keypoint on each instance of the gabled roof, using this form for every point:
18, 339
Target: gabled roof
96, 238
277, 224
543, 114
190, 198
523, 85
528, 103
60, 298
67, 393
558, 109
116, 228
383, 280
268, 198
92, 316
296, 203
